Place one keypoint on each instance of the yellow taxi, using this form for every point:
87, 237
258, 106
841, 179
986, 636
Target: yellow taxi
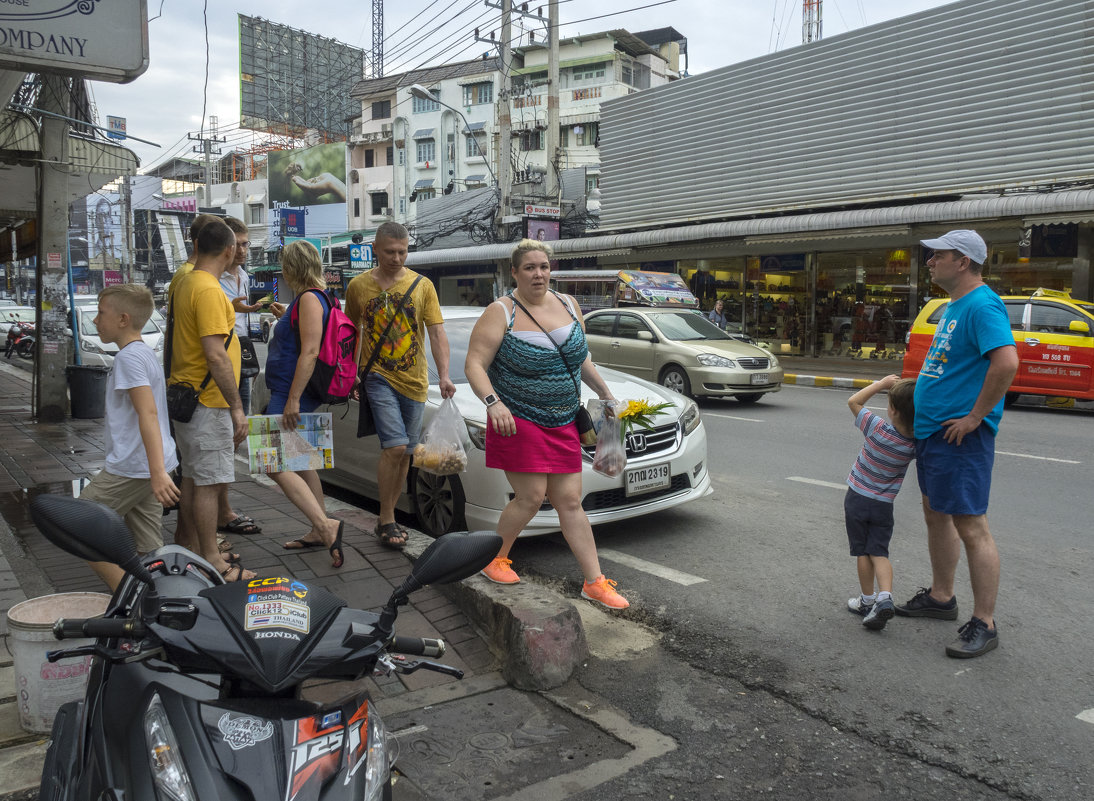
1053, 336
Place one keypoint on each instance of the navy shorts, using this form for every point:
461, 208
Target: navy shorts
956, 479
869, 524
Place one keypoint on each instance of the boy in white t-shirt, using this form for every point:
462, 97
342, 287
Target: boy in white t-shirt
140, 452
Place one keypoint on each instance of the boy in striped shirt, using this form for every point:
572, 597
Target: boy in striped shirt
872, 486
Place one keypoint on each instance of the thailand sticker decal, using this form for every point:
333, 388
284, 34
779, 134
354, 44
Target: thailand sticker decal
277, 614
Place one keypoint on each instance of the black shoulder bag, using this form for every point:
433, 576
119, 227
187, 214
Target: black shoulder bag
182, 398
583, 419
366, 426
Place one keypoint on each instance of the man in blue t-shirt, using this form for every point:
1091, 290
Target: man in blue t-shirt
958, 405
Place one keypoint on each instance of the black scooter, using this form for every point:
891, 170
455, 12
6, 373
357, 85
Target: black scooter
195, 688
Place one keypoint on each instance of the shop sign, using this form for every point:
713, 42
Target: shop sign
360, 255
292, 222
333, 277
533, 210
783, 263
115, 127
96, 40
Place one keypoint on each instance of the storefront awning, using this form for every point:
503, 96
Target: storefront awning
423, 133
424, 183
858, 233
476, 126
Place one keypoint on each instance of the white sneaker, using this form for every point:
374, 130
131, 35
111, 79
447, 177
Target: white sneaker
857, 606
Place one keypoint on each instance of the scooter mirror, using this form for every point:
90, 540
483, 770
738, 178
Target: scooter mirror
88, 530
455, 556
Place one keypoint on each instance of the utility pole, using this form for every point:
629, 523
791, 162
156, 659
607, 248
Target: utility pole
505, 119
127, 230
551, 187
377, 38
811, 21
207, 143
52, 300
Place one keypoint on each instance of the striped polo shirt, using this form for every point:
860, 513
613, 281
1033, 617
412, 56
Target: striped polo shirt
879, 470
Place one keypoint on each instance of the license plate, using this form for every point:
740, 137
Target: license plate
759, 378
640, 480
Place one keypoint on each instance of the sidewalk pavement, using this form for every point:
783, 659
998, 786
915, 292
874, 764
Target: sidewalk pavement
58, 458
830, 372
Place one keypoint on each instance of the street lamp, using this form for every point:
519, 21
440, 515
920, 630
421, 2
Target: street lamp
420, 92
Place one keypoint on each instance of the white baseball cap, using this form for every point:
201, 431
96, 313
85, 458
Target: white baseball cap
967, 243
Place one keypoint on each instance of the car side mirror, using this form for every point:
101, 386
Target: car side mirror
645, 336
1079, 327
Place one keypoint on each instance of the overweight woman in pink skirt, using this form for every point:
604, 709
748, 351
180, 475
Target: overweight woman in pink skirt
525, 360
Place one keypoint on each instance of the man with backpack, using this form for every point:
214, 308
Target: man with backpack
395, 308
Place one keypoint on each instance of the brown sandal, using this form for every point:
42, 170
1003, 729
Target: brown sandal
391, 535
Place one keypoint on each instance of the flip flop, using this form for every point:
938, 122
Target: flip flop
336, 555
301, 544
238, 567
241, 524
391, 535
224, 545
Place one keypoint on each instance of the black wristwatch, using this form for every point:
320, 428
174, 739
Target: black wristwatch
490, 400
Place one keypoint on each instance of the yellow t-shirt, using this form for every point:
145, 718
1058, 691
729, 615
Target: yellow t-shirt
201, 309
179, 273
402, 359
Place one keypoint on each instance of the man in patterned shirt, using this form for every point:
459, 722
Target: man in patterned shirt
872, 487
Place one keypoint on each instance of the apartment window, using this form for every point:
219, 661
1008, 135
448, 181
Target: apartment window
427, 150
379, 202
476, 94
381, 110
564, 136
390, 155
402, 157
451, 147
357, 207
476, 145
427, 194
589, 72
591, 182
531, 140
419, 106
587, 134
254, 214
370, 158
402, 205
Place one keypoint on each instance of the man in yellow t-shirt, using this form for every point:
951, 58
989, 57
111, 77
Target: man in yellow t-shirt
398, 383
203, 343
195, 228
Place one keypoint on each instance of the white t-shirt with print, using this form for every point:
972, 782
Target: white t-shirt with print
134, 366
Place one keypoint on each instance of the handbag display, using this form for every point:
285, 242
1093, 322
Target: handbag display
366, 426
582, 419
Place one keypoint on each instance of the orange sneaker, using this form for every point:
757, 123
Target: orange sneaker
499, 572
602, 590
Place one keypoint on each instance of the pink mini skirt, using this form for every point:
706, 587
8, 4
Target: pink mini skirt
534, 449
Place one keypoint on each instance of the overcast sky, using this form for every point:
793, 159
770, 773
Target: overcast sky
166, 103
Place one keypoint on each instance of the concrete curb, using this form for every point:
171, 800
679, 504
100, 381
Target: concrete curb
826, 381
537, 634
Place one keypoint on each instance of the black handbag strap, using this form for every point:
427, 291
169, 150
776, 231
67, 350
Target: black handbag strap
561, 355
167, 348
391, 322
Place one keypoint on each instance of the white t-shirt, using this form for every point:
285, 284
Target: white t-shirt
236, 282
134, 366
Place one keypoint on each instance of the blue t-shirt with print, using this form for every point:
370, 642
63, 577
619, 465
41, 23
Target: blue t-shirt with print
957, 361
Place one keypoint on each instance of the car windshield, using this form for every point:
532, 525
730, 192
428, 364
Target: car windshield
17, 315
87, 323
684, 326
459, 334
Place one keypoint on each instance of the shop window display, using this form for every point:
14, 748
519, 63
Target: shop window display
862, 303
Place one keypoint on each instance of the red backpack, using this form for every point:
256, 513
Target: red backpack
336, 367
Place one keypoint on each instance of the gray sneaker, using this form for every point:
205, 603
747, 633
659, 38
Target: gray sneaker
973, 639
879, 615
858, 607
923, 605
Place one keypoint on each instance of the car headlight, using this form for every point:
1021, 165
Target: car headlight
158, 347
168, 770
476, 432
380, 752
90, 346
710, 360
690, 419
774, 360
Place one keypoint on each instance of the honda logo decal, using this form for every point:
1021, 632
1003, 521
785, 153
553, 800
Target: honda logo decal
636, 442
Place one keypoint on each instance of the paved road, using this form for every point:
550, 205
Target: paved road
769, 612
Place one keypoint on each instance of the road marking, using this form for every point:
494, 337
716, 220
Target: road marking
1087, 716
1039, 458
730, 417
652, 568
818, 482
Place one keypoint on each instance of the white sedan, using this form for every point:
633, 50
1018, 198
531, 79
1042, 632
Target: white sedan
665, 467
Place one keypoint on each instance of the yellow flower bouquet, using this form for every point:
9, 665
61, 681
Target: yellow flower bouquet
639, 413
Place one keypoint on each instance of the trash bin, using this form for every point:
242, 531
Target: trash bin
87, 390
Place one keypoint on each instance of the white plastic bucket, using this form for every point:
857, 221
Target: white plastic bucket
42, 686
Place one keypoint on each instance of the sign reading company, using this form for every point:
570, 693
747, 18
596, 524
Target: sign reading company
105, 40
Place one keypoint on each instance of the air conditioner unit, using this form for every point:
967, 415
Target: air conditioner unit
385, 129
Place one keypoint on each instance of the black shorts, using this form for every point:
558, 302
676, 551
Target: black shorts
869, 524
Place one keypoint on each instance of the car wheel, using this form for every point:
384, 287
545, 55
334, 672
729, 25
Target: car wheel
1010, 399
677, 380
265, 333
748, 400
438, 502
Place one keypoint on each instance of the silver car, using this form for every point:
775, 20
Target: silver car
665, 467
683, 351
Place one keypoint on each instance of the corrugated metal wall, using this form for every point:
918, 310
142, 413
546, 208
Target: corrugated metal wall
974, 95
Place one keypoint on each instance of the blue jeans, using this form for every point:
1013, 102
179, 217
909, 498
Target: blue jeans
398, 418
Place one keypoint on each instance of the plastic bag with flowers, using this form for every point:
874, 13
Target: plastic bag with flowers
611, 453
